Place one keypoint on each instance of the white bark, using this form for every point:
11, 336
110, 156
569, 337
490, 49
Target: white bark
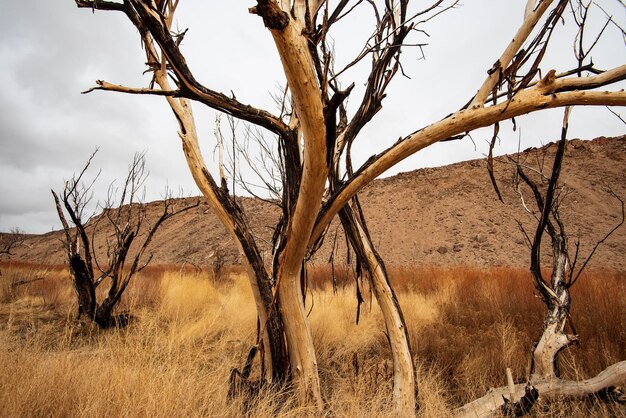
489, 404
552, 341
510, 383
220, 148
299, 342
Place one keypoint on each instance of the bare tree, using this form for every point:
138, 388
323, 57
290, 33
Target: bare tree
545, 380
10, 240
315, 134
123, 217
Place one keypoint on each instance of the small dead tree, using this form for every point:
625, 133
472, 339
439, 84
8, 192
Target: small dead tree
123, 220
545, 380
10, 240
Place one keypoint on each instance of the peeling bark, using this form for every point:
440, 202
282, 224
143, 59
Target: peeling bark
231, 216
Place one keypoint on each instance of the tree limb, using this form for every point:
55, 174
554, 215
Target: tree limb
530, 22
536, 98
103, 85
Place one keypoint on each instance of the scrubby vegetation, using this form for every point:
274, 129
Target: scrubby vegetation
190, 328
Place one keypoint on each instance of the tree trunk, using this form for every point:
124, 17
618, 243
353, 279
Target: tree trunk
404, 389
103, 316
545, 354
272, 331
228, 212
83, 286
288, 32
553, 340
299, 341
544, 379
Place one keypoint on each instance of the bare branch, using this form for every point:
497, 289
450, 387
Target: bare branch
617, 115
190, 87
492, 144
531, 20
103, 85
100, 5
600, 242
220, 149
536, 98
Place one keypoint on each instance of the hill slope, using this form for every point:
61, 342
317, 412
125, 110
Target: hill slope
446, 216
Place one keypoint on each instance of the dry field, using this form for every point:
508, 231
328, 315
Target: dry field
191, 328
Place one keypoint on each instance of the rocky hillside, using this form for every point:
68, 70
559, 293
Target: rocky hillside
447, 216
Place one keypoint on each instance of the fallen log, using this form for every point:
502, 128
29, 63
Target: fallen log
492, 402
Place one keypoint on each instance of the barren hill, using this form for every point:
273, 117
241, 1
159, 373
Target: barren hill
444, 216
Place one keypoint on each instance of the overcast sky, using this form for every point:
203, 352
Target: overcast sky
50, 51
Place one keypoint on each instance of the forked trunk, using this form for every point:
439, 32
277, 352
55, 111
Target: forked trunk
554, 340
544, 377
101, 314
288, 32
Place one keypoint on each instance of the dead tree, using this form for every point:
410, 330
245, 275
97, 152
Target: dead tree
123, 222
545, 380
10, 240
316, 134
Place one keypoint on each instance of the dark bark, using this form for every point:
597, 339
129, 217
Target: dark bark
273, 17
83, 286
523, 406
126, 221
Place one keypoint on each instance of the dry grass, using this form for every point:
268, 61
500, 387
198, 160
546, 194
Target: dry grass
190, 328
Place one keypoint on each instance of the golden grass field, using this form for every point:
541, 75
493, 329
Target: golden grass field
191, 328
